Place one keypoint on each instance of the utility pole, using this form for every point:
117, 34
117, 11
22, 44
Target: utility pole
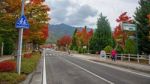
19, 54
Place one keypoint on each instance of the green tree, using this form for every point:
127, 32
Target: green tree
9, 11
119, 49
102, 36
142, 26
9, 46
130, 46
74, 41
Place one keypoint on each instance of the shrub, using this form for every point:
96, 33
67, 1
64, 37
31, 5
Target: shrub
119, 49
92, 51
27, 55
82, 50
7, 66
108, 49
130, 46
11, 78
28, 65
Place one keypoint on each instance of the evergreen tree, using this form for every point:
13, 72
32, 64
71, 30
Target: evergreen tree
102, 36
74, 44
142, 26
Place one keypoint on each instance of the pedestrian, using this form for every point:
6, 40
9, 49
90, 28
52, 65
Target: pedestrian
113, 55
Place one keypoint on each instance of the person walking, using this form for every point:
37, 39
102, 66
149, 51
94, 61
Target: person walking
113, 55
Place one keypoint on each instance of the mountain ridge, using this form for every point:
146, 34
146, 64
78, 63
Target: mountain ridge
58, 30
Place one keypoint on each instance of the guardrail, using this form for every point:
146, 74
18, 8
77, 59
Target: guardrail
127, 57
132, 58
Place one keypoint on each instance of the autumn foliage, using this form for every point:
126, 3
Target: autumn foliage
44, 31
124, 18
7, 66
118, 34
36, 1
40, 34
83, 36
37, 14
64, 41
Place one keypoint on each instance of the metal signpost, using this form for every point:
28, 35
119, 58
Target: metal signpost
21, 24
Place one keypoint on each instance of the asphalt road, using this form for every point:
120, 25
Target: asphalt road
64, 69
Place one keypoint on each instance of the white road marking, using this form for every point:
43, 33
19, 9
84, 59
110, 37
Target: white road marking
89, 72
118, 68
122, 69
44, 69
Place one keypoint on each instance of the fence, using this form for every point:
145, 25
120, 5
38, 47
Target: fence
132, 58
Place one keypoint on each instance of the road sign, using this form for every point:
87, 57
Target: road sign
22, 22
129, 27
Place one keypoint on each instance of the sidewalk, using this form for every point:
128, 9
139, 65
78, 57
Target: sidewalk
134, 66
6, 57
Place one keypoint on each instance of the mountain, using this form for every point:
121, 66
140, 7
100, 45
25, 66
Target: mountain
57, 31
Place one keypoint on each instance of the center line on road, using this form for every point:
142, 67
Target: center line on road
89, 71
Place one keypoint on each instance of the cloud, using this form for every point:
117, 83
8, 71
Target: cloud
86, 12
59, 10
79, 17
70, 12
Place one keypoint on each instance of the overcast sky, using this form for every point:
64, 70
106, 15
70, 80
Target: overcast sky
86, 12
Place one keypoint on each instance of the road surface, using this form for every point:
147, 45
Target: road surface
64, 69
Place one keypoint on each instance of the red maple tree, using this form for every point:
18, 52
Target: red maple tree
64, 41
36, 1
42, 34
124, 18
119, 35
83, 36
44, 31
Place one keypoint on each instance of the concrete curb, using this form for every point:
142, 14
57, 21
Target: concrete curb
30, 77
